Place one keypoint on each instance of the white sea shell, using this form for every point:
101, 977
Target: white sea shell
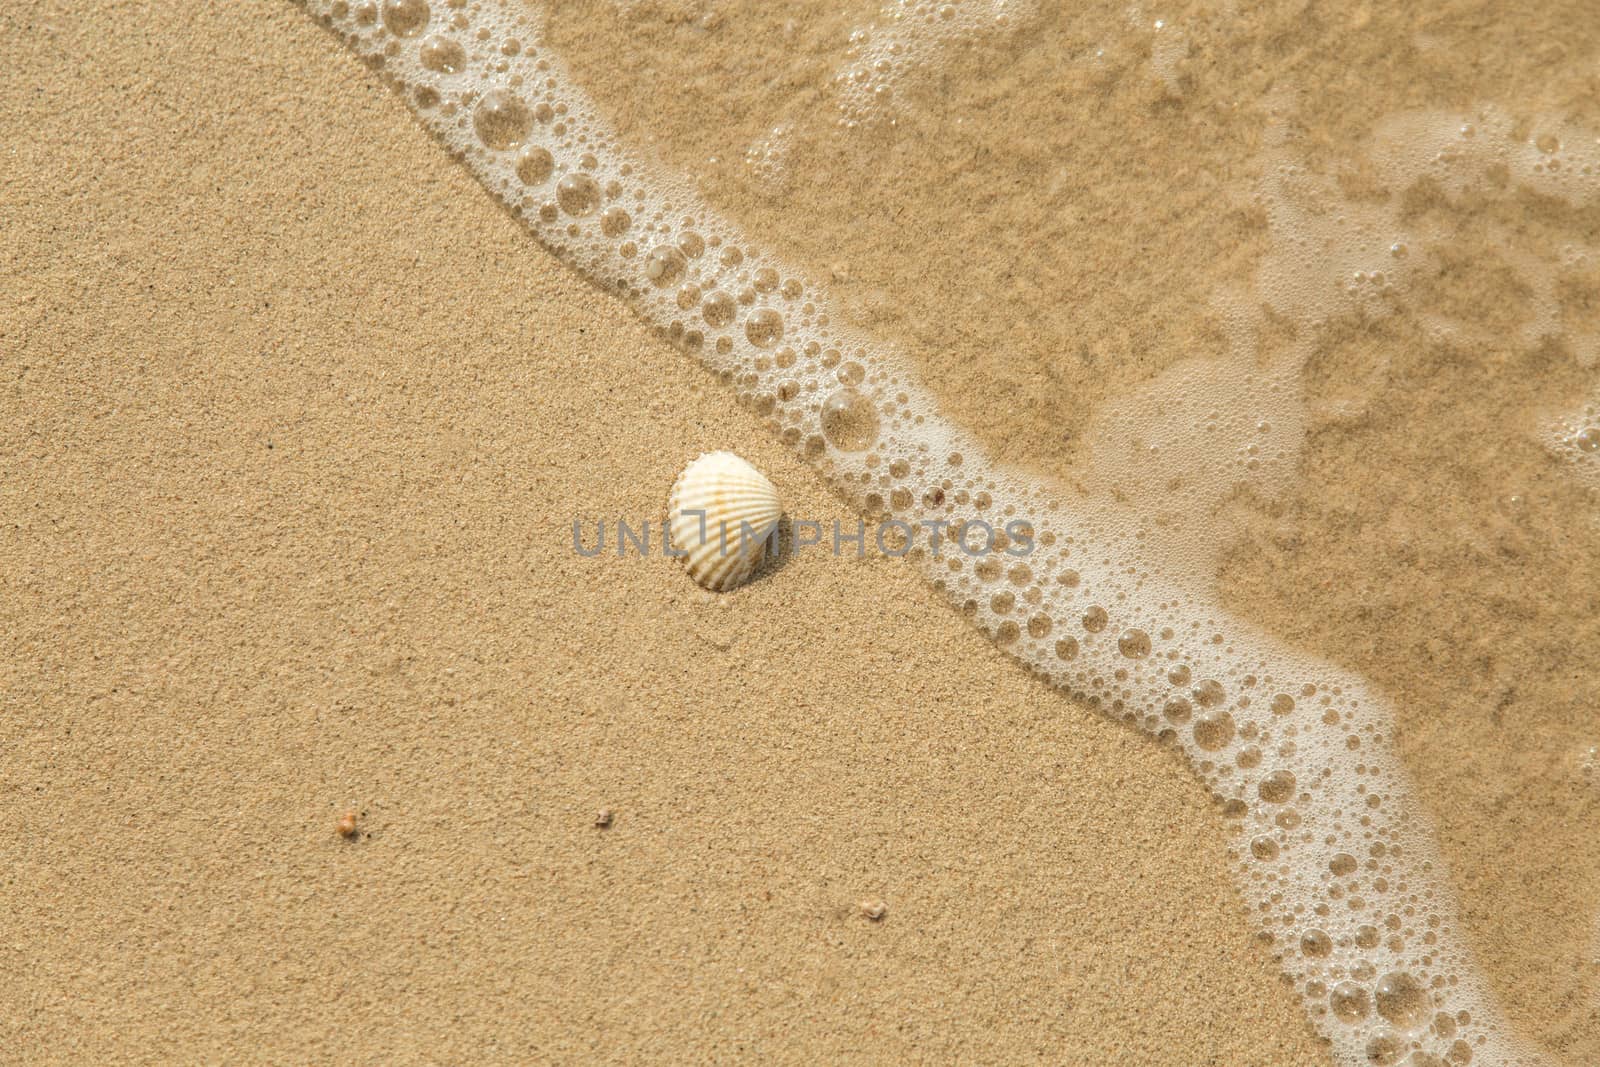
740, 510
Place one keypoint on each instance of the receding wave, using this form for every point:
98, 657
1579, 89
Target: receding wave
1337, 862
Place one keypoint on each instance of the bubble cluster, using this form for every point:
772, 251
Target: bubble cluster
1175, 448
1574, 438
1338, 867
1476, 153
907, 38
905, 41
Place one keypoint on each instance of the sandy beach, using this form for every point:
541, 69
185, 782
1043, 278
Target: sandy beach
298, 422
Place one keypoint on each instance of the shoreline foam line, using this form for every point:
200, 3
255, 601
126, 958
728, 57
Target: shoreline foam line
1337, 862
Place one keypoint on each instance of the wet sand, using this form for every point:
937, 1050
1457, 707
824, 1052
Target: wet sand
297, 423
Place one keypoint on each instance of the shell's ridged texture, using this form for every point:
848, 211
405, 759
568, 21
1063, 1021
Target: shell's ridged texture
735, 498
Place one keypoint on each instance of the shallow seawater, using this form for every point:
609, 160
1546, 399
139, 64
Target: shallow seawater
1051, 209
1299, 308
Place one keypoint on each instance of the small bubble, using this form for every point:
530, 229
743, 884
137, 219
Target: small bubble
1135, 644
691, 244
1213, 730
615, 222
764, 328
578, 194
1316, 943
1349, 1002
1401, 1001
719, 309
405, 18
534, 165
1277, 787
442, 55
1385, 1049
664, 266
501, 119
849, 420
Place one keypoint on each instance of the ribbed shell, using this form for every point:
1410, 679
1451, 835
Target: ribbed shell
730, 491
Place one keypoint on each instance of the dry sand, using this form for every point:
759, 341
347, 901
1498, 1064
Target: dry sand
296, 422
